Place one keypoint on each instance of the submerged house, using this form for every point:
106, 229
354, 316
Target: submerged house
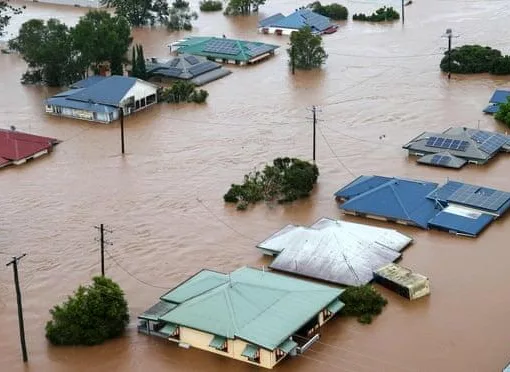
284, 25
457, 146
224, 50
249, 315
455, 207
334, 251
197, 70
17, 148
100, 98
498, 97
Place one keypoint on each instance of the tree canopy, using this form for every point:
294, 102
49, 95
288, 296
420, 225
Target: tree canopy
138, 67
503, 113
334, 11
363, 302
284, 181
473, 59
383, 14
6, 13
211, 5
92, 315
243, 7
306, 50
183, 91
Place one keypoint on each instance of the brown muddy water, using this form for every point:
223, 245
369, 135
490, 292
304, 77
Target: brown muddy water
163, 199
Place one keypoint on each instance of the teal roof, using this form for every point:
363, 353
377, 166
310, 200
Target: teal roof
259, 307
287, 345
222, 48
335, 306
168, 329
250, 351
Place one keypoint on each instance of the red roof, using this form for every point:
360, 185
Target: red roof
17, 146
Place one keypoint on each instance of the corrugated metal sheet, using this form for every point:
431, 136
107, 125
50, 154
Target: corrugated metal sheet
262, 308
299, 19
108, 91
88, 82
335, 306
158, 310
62, 101
15, 146
335, 251
500, 96
218, 342
452, 220
267, 22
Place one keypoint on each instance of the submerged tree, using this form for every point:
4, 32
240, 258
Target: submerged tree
243, 7
6, 13
180, 16
503, 113
334, 11
363, 302
137, 12
474, 59
138, 67
306, 51
183, 91
94, 314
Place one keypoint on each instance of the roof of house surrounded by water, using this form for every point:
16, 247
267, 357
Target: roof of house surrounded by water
96, 93
455, 207
334, 251
198, 70
257, 306
18, 147
498, 97
456, 146
224, 49
297, 20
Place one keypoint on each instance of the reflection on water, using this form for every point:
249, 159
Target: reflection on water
379, 80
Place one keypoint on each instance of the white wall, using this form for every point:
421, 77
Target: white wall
141, 89
272, 30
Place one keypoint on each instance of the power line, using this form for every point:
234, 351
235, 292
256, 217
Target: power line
335, 155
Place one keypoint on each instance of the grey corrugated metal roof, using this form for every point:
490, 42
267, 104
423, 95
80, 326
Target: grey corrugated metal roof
335, 251
453, 161
158, 310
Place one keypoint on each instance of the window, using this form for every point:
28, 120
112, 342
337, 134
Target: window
151, 99
279, 354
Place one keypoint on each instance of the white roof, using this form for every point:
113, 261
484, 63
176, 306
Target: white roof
335, 251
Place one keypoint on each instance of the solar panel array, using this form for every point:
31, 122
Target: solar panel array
221, 46
202, 68
480, 136
476, 196
170, 72
447, 143
192, 60
493, 143
440, 160
174, 62
258, 49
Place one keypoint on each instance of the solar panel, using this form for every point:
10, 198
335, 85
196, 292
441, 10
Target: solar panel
257, 50
480, 197
440, 160
447, 143
170, 71
480, 136
174, 62
202, 68
192, 60
493, 144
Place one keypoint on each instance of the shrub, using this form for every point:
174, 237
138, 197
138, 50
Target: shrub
503, 113
211, 6
334, 11
284, 181
183, 91
380, 15
471, 59
501, 66
363, 302
306, 49
91, 316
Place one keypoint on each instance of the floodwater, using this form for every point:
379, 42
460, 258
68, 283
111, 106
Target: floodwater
381, 86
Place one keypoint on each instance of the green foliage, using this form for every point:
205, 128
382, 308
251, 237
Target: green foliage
306, 49
211, 6
503, 113
183, 91
94, 314
243, 7
364, 302
383, 14
98, 37
334, 11
180, 16
49, 51
6, 13
284, 181
138, 67
137, 12
474, 59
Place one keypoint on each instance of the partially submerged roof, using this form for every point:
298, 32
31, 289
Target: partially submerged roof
400, 275
442, 159
262, 308
157, 311
16, 146
223, 48
461, 220
500, 96
394, 198
199, 70
459, 142
335, 251
299, 19
87, 82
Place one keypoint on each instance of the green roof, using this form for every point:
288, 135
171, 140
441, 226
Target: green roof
158, 310
218, 342
335, 306
260, 307
168, 329
250, 351
287, 345
222, 48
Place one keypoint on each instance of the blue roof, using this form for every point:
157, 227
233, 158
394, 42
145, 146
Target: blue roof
361, 185
109, 91
500, 96
491, 109
79, 105
460, 224
300, 18
400, 199
87, 82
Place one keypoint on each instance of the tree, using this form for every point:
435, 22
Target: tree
334, 11
101, 38
363, 302
6, 13
180, 16
306, 51
210, 5
138, 68
94, 314
503, 113
383, 14
473, 59
183, 91
49, 52
137, 12
243, 7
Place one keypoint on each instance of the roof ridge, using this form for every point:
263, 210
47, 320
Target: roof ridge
399, 200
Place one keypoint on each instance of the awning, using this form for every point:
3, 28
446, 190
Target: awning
335, 306
218, 342
287, 346
168, 329
250, 351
